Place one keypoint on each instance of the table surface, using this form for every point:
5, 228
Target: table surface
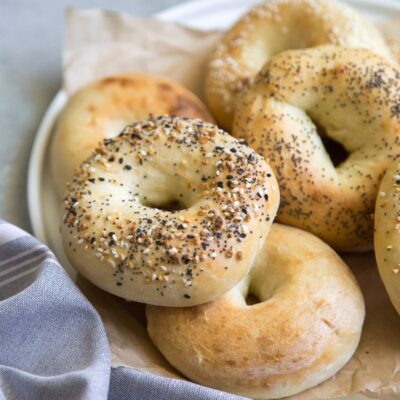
30, 74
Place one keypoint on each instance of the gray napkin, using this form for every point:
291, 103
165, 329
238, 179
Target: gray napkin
52, 341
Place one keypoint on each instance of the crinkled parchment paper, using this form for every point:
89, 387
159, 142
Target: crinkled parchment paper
99, 43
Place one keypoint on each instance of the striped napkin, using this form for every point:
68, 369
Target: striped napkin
52, 341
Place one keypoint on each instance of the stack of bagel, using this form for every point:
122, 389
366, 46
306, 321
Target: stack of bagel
226, 222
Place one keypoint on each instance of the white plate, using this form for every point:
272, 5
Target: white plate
43, 205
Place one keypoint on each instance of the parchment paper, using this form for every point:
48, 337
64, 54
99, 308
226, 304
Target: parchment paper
99, 43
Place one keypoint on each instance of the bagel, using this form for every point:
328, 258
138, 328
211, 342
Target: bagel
353, 95
304, 329
172, 212
103, 108
271, 28
394, 46
387, 232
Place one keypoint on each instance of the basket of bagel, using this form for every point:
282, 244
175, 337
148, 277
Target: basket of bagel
231, 199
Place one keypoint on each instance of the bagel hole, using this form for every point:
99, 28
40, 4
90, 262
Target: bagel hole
335, 150
252, 299
170, 206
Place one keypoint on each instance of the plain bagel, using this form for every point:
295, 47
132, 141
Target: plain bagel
305, 327
172, 212
103, 108
353, 95
271, 28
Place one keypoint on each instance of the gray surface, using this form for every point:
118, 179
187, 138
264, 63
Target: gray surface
30, 75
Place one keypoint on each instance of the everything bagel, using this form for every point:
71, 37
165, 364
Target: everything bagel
103, 108
305, 327
387, 233
353, 94
172, 212
271, 28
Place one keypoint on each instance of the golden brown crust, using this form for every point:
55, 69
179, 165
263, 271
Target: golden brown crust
387, 233
273, 27
305, 328
103, 108
353, 95
117, 234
